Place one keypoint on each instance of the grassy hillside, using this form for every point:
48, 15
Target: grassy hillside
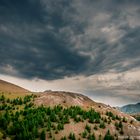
54, 115
21, 119
11, 91
9, 87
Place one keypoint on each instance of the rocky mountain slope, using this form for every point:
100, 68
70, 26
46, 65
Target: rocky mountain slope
67, 99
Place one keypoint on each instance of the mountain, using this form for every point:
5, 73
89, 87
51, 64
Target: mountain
68, 99
11, 90
131, 108
60, 115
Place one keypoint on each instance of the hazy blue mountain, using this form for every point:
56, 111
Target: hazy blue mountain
131, 108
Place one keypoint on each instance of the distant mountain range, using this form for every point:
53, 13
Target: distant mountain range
131, 108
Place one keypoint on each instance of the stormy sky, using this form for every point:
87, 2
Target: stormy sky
86, 46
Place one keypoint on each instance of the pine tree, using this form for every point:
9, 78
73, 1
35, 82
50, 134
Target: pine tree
91, 137
88, 128
43, 135
120, 124
64, 138
72, 136
108, 136
84, 134
102, 125
35, 132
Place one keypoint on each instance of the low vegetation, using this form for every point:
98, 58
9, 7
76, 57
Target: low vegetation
20, 119
136, 116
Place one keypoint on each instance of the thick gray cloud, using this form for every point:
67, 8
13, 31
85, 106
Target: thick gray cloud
51, 39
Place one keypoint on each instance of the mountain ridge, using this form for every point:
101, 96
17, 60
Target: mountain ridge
10, 87
131, 108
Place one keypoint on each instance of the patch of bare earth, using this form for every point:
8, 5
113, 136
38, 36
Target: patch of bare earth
66, 99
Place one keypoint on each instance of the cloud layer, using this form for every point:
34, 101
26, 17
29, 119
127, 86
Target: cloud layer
50, 39
86, 46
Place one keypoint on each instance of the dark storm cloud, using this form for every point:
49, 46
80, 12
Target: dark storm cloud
51, 39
